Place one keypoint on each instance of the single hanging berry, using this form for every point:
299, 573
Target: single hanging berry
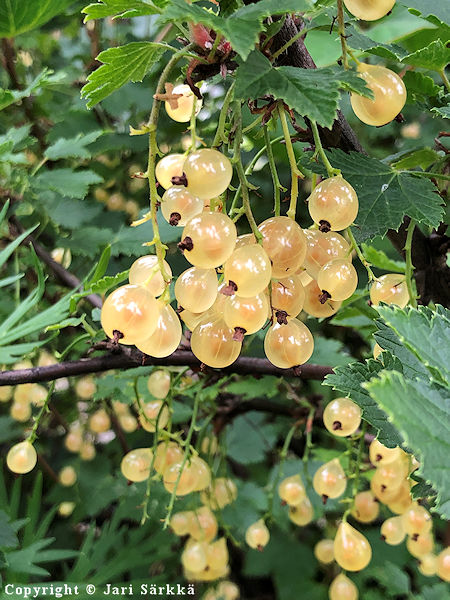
288, 297
178, 205
291, 490
322, 248
329, 480
130, 311
302, 513
214, 344
337, 280
208, 240
324, 551
208, 173
246, 315
366, 508
380, 455
314, 307
169, 166
99, 421
389, 93
257, 535
392, 531
285, 244
333, 204
247, 271
369, 10
152, 413
390, 289
352, 551
343, 588
158, 384
21, 458
135, 465
166, 338
193, 557
180, 109
288, 345
196, 289
342, 417
145, 271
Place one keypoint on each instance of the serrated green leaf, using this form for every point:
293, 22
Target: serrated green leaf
436, 12
70, 213
73, 147
242, 27
435, 592
360, 41
391, 577
426, 334
121, 65
8, 97
299, 88
422, 158
421, 412
106, 283
8, 537
386, 195
122, 9
250, 387
420, 86
249, 438
443, 111
18, 16
328, 351
434, 57
88, 241
380, 260
349, 380
74, 184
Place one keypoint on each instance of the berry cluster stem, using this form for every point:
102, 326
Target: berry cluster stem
220, 137
241, 173
277, 187
308, 442
44, 409
409, 265
184, 461
153, 153
331, 171
341, 26
295, 172
355, 468
360, 255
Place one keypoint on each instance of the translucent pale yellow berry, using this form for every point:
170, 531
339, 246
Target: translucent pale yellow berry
221, 492
166, 338
303, 513
420, 545
389, 93
180, 522
380, 454
169, 166
135, 465
324, 551
196, 289
288, 295
369, 10
247, 314
352, 550
338, 279
329, 480
178, 205
443, 564
208, 173
132, 311
85, 387
202, 524
322, 247
390, 289
145, 271
343, 588
333, 204
213, 343
65, 509
285, 244
392, 531
366, 508
288, 345
248, 270
158, 384
167, 453
99, 421
184, 104
428, 565
154, 413
291, 490
257, 535
186, 476
67, 476
342, 417
312, 305
209, 240
193, 557
417, 520
21, 458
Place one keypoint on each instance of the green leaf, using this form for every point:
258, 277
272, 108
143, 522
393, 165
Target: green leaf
8, 537
426, 334
359, 41
102, 265
249, 438
249, 387
443, 111
380, 260
436, 12
386, 195
422, 158
242, 27
420, 86
435, 592
121, 65
74, 184
299, 88
18, 16
106, 283
328, 351
73, 147
44, 78
421, 412
122, 9
88, 241
349, 380
391, 577
68, 212
434, 57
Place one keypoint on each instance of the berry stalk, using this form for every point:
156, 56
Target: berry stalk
331, 171
409, 270
360, 255
277, 187
295, 172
